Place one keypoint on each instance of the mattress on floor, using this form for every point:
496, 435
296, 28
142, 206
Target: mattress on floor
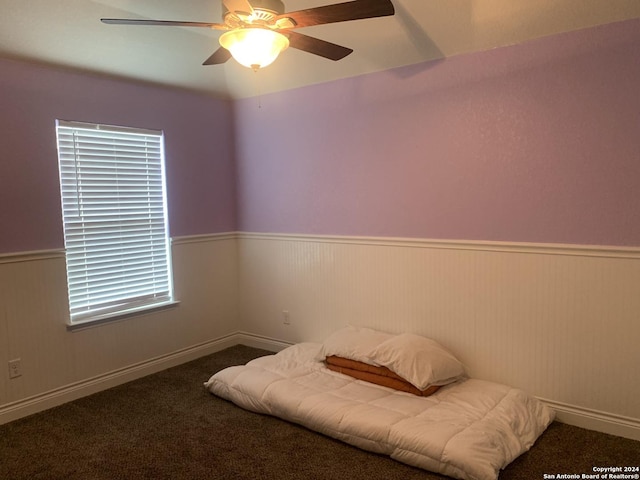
470, 429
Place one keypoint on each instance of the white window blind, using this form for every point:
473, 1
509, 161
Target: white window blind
115, 220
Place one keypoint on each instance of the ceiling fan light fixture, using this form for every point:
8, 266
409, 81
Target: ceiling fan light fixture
254, 47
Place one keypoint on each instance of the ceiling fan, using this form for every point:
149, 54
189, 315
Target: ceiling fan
257, 31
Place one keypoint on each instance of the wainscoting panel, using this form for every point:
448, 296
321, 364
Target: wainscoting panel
59, 364
562, 322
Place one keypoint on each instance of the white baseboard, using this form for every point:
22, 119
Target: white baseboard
595, 420
258, 341
572, 415
74, 391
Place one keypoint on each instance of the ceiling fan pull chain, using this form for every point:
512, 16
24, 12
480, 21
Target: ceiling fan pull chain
258, 89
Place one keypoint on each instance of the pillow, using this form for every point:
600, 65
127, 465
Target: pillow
419, 360
355, 343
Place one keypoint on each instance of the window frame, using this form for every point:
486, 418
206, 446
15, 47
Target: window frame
133, 183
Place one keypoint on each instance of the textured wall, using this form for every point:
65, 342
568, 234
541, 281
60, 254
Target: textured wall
198, 139
528, 146
537, 143
558, 322
56, 362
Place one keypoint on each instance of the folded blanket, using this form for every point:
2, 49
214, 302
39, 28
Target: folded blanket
373, 374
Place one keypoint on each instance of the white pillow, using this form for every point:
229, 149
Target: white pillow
355, 343
419, 360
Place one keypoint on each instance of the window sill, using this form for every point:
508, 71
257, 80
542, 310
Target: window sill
119, 316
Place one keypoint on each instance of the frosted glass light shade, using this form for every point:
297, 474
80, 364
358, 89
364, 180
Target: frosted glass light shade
254, 47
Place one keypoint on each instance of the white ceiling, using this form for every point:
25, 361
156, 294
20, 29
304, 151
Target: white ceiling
69, 33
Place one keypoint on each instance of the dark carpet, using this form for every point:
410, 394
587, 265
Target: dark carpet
167, 426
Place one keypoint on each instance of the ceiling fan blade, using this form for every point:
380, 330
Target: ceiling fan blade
162, 23
316, 46
340, 12
241, 6
219, 56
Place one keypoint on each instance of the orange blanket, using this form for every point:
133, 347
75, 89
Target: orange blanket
373, 374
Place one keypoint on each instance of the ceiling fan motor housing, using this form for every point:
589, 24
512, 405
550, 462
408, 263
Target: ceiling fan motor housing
264, 15
269, 7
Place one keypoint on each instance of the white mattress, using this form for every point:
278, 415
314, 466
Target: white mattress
470, 429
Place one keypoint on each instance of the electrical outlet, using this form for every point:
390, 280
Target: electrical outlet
285, 317
15, 368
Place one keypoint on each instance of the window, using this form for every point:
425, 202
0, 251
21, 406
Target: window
115, 220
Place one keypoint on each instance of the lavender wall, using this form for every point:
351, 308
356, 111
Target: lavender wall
536, 143
198, 140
